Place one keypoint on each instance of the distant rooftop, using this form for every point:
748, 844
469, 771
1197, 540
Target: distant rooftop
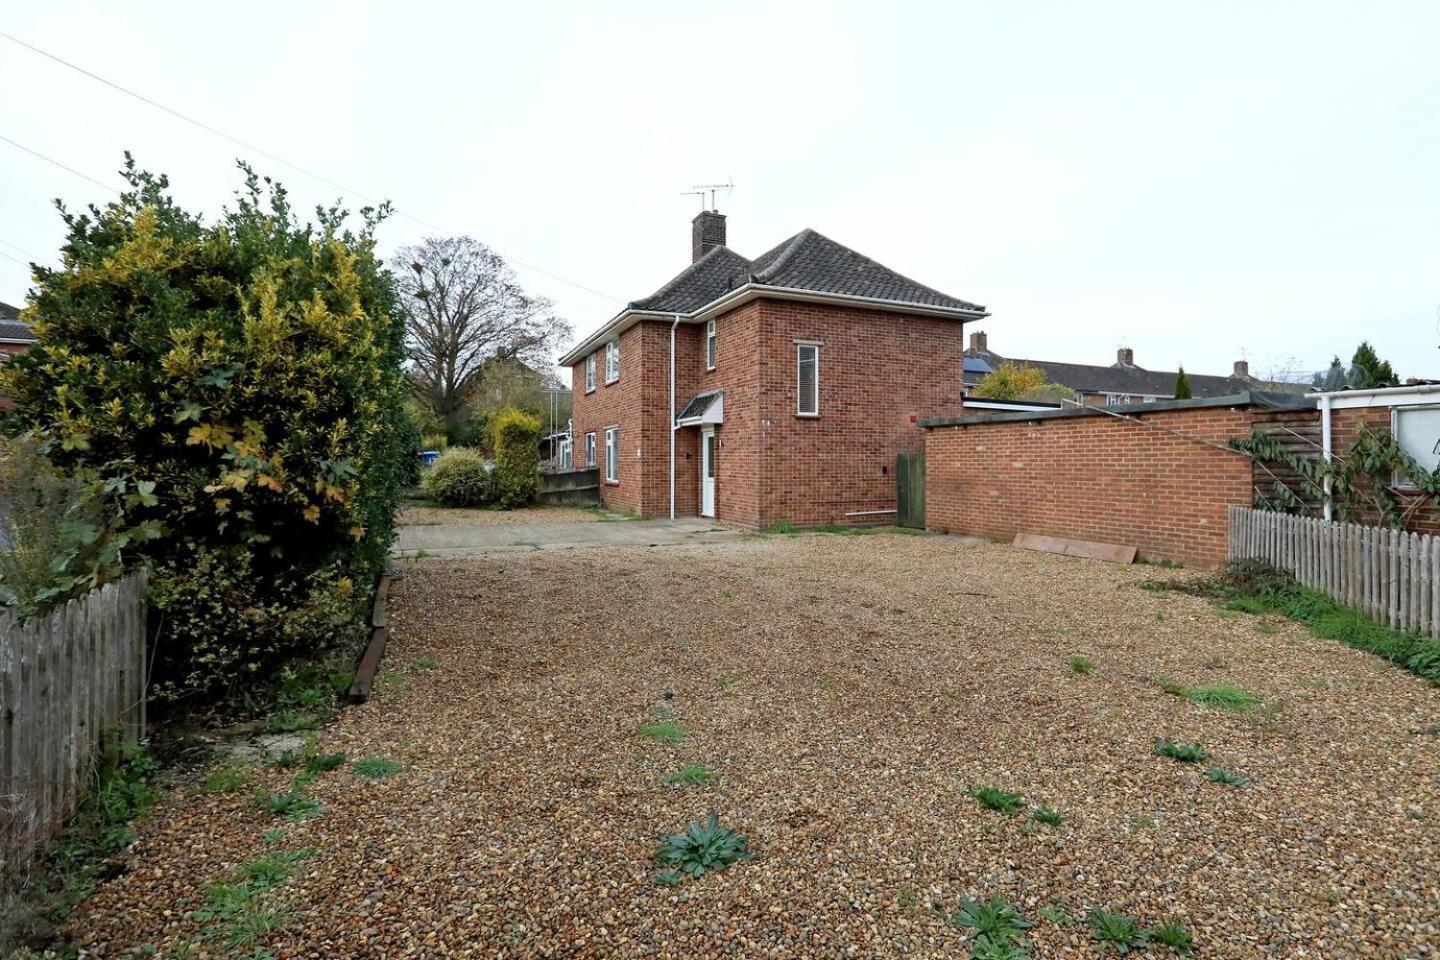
11, 328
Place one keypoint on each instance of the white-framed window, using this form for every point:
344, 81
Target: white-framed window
1149, 399
1417, 430
1112, 399
807, 379
590, 373
612, 454
710, 345
612, 361
590, 449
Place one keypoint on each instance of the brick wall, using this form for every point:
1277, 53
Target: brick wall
1094, 477
1344, 429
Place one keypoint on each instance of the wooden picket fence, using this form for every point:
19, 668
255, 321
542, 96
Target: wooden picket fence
67, 680
1392, 576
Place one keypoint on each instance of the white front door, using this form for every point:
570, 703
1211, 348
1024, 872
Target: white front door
707, 472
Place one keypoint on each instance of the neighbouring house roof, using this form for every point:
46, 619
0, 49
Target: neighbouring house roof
11, 328
1130, 379
1264, 399
807, 263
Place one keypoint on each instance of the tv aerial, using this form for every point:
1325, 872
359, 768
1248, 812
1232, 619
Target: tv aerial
700, 189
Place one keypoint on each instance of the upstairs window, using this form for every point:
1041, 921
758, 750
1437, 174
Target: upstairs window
590, 373
612, 361
710, 345
807, 379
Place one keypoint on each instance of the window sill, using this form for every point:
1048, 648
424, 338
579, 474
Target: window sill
807, 416
611, 483
589, 390
709, 369
612, 382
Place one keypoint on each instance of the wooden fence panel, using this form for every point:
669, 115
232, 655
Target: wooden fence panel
66, 681
1390, 575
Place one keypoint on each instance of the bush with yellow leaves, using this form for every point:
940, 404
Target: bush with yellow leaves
246, 373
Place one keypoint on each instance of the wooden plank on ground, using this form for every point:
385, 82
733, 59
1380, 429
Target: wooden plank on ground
1088, 549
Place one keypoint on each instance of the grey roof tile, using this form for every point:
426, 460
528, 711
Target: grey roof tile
10, 326
1131, 379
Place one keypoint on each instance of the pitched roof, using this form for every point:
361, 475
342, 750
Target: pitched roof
807, 261
1133, 380
10, 326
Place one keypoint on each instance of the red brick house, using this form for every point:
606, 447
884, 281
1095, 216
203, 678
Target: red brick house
779, 388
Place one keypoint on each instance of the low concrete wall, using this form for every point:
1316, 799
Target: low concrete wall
570, 487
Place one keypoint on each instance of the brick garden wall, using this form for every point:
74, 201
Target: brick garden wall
1094, 478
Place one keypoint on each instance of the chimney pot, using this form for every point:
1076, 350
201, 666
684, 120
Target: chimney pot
1242, 369
1125, 357
979, 342
707, 231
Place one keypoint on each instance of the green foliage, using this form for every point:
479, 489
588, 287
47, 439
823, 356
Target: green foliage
1175, 935
1222, 696
783, 527
227, 778
666, 731
1182, 386
516, 439
994, 798
1057, 911
239, 377
1221, 775
1183, 752
459, 478
473, 431
1079, 664
376, 768
705, 845
668, 877
1255, 587
692, 775
289, 721
1051, 393
1367, 370
434, 441
1048, 816
1117, 930
1008, 381
237, 911
997, 924
290, 804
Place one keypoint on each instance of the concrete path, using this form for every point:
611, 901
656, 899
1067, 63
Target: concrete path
462, 540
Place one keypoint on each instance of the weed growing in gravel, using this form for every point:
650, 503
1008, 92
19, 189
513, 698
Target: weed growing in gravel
666, 731
376, 768
1057, 911
1048, 816
705, 845
692, 775
272, 837
1183, 752
1221, 775
1117, 930
292, 804
423, 663
994, 798
1175, 935
669, 877
784, 527
660, 712
1222, 696
1172, 687
227, 778
1079, 664
998, 927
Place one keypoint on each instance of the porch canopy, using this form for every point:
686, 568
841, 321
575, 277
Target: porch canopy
706, 408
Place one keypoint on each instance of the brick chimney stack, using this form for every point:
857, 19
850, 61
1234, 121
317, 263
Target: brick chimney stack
979, 343
707, 231
1125, 357
1242, 369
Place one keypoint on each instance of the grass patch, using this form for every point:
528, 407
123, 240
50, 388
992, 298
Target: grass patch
1079, 665
1249, 586
1117, 930
1220, 696
227, 778
1175, 935
1182, 752
1221, 775
291, 721
666, 731
692, 775
376, 768
993, 798
423, 663
781, 527
1048, 816
291, 804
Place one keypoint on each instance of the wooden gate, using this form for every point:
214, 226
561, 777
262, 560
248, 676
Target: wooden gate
910, 490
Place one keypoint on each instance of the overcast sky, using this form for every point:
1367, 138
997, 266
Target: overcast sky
1190, 180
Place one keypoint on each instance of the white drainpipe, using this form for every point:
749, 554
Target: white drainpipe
1325, 446
673, 325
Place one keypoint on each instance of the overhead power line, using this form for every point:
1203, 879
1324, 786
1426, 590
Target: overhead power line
57, 163
217, 132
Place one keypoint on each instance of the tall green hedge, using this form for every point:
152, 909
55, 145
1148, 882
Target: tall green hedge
516, 437
246, 374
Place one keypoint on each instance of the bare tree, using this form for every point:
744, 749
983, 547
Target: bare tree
465, 309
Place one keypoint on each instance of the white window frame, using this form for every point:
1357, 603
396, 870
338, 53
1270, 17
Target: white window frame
612, 454
1399, 479
590, 449
590, 373
801, 345
710, 352
612, 361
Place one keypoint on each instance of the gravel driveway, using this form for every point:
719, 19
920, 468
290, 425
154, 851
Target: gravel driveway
849, 691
